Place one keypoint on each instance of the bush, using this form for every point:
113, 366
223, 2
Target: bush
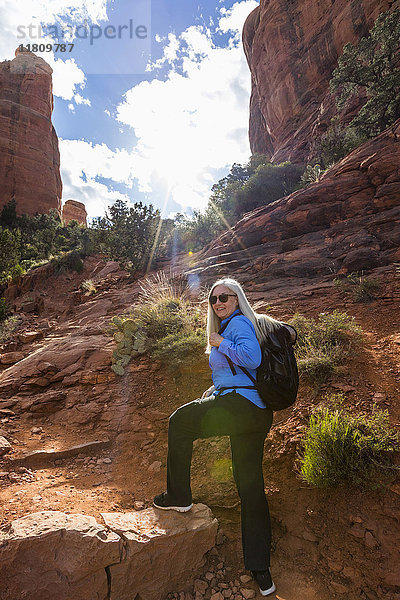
71, 261
165, 324
340, 447
324, 343
182, 348
337, 142
10, 241
257, 183
7, 328
3, 309
360, 287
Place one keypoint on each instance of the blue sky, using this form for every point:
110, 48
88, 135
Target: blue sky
157, 114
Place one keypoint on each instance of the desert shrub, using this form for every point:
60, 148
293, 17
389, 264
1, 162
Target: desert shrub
10, 255
70, 261
88, 287
176, 349
164, 323
344, 448
7, 328
362, 288
324, 343
3, 309
337, 142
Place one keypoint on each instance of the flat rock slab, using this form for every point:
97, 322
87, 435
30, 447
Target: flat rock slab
51, 554
163, 550
41, 458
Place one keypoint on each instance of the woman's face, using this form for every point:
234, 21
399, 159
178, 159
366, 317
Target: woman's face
224, 309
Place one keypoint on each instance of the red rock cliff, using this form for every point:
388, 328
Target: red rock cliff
29, 155
292, 48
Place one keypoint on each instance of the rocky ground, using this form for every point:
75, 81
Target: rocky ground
82, 440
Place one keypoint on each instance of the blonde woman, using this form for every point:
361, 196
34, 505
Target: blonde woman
232, 406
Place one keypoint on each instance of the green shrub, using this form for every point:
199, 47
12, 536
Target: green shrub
163, 323
324, 343
341, 448
10, 254
7, 328
176, 349
3, 309
71, 261
360, 287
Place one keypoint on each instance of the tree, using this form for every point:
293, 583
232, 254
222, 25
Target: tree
10, 241
129, 234
373, 67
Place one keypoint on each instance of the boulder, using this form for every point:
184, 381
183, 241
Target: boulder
10, 358
51, 555
62, 357
144, 554
163, 550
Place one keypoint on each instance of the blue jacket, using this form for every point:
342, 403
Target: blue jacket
241, 345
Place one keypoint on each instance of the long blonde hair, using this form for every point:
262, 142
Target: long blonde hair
262, 323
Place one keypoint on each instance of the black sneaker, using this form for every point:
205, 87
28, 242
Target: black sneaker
161, 501
265, 583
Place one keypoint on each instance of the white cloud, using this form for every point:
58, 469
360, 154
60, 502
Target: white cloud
80, 100
233, 19
184, 123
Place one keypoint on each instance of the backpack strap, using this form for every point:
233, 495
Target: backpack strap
245, 371
230, 363
225, 325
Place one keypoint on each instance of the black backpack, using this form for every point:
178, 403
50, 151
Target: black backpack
277, 378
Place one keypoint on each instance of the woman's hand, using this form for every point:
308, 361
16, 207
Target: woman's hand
208, 392
215, 339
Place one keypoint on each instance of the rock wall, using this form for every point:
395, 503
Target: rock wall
142, 554
74, 210
292, 49
29, 155
347, 221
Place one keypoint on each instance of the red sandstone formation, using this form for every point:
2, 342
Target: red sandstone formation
73, 210
292, 49
348, 221
29, 156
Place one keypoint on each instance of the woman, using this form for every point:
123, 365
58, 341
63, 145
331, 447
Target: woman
233, 332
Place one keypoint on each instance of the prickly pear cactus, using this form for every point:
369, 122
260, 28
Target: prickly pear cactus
130, 341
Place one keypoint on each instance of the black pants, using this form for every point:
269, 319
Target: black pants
247, 425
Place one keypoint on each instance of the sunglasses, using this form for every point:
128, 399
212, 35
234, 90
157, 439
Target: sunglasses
222, 298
